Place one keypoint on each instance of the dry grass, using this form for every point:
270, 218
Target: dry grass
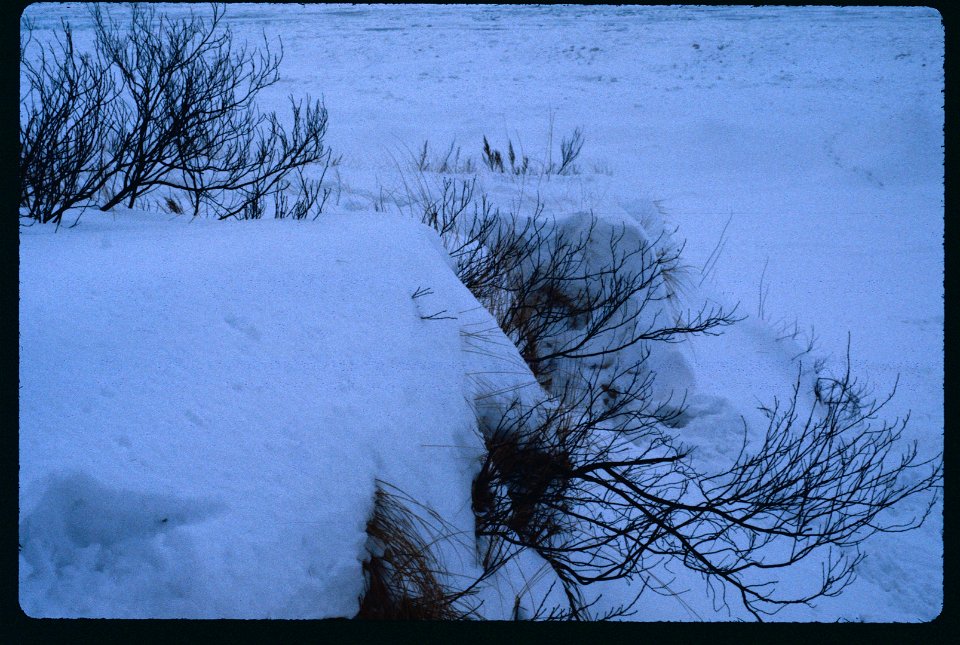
403, 580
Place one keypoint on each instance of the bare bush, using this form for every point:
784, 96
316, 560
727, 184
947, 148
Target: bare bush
169, 104
587, 294
311, 198
601, 493
66, 109
590, 477
560, 294
192, 122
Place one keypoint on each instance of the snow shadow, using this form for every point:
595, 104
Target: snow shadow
76, 511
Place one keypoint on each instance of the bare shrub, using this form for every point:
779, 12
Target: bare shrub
192, 122
67, 107
586, 295
311, 198
563, 294
590, 477
601, 493
164, 103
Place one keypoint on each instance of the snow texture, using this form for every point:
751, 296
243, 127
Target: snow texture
205, 407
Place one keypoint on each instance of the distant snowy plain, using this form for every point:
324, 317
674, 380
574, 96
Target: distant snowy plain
798, 151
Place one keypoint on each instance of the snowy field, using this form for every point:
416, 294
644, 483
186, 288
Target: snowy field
175, 375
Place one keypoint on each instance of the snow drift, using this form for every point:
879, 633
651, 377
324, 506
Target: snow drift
204, 412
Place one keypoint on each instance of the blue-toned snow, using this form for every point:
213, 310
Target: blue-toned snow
204, 406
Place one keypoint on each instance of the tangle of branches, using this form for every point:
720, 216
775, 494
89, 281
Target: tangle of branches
168, 104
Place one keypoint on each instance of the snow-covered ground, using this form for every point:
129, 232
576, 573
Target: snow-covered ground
218, 398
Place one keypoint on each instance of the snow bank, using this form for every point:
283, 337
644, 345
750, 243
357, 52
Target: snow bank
205, 408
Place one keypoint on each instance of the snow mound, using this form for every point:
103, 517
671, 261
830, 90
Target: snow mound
204, 414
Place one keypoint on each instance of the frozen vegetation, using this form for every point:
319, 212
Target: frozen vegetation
486, 312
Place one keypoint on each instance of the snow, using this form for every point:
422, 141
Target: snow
205, 406
212, 402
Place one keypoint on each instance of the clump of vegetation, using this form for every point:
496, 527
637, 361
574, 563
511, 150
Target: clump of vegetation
494, 159
601, 492
403, 578
163, 104
520, 165
450, 162
591, 477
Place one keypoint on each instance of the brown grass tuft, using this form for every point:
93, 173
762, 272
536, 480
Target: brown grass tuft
401, 574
